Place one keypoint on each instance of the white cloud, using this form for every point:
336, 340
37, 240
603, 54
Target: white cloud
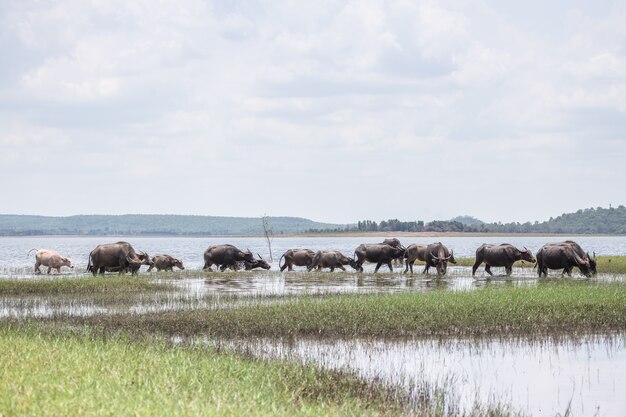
304, 108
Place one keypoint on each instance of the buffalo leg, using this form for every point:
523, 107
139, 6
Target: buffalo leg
509, 270
475, 267
426, 268
37, 265
390, 267
342, 268
378, 266
488, 269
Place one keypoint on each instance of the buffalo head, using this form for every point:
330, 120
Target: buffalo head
527, 255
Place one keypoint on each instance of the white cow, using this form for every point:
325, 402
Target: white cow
51, 259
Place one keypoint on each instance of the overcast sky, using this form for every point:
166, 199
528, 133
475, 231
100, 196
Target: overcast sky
331, 110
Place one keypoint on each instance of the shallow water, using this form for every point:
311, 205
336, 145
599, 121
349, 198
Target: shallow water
537, 377
13, 250
195, 289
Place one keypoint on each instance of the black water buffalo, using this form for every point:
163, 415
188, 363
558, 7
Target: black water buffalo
331, 259
393, 242
558, 256
225, 256
116, 257
247, 265
500, 255
438, 256
378, 253
257, 263
297, 257
580, 252
165, 262
414, 252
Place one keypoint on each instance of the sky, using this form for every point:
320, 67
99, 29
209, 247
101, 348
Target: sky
331, 110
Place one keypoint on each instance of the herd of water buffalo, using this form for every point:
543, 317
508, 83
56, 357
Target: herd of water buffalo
121, 257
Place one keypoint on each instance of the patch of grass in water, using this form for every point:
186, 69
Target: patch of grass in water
81, 285
47, 374
549, 308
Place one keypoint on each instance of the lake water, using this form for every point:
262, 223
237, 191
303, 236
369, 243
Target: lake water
541, 377
537, 377
13, 249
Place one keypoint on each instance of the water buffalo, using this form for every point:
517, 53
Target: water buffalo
225, 256
500, 255
116, 257
247, 265
51, 259
414, 253
438, 256
378, 253
257, 263
580, 252
165, 262
559, 256
331, 259
394, 242
297, 257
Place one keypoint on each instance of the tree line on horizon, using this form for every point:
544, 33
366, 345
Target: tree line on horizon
584, 221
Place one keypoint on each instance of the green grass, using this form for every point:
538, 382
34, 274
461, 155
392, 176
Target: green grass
80, 285
606, 264
80, 375
548, 308
611, 264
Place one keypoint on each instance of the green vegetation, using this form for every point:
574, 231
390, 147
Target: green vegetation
141, 224
80, 285
548, 308
587, 221
606, 264
81, 375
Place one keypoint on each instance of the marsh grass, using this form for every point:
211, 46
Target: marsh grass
550, 307
81, 285
47, 374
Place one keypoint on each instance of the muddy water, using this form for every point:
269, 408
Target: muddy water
539, 378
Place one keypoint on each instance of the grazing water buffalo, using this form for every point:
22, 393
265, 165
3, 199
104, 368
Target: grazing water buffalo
580, 252
257, 263
565, 257
378, 253
116, 257
500, 255
414, 253
165, 262
247, 265
51, 259
438, 256
331, 259
225, 256
297, 257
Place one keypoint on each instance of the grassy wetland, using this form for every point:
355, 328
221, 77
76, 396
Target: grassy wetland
192, 342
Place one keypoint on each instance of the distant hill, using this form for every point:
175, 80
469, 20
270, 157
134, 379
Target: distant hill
586, 221
599, 220
467, 220
148, 224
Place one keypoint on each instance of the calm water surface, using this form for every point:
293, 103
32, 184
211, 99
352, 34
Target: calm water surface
13, 249
538, 378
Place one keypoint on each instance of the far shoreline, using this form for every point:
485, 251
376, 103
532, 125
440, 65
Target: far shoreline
322, 235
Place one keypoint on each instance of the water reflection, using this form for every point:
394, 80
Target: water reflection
196, 289
537, 377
